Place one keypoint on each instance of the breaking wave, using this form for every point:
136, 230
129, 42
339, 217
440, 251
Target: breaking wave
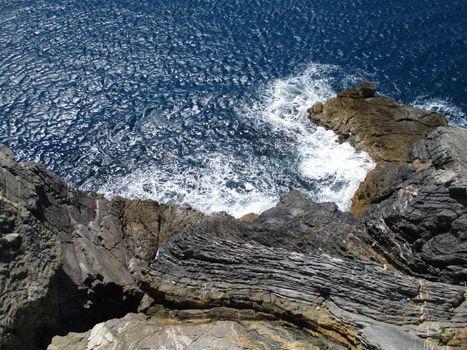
296, 155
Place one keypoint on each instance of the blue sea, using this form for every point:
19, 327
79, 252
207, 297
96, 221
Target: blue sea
204, 102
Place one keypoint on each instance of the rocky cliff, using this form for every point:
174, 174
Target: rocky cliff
67, 256
302, 275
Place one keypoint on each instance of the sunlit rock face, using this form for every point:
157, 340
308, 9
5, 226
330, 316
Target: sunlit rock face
300, 275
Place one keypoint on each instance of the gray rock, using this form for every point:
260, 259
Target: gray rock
253, 265
67, 256
13, 240
385, 337
300, 276
421, 223
136, 331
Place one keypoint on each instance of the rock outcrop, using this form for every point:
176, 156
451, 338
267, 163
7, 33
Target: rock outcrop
338, 293
67, 256
193, 329
415, 199
421, 222
301, 275
376, 124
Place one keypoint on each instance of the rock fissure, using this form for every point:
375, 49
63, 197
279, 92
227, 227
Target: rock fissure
301, 275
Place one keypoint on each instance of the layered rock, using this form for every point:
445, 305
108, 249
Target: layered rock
301, 275
421, 224
289, 265
415, 199
332, 292
66, 256
192, 329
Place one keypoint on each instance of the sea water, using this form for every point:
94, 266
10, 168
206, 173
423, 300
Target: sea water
204, 102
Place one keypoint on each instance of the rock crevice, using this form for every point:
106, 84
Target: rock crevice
302, 275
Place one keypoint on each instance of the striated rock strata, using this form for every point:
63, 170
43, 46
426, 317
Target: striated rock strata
66, 256
415, 198
301, 275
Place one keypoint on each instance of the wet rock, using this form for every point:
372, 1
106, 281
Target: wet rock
367, 89
317, 108
364, 90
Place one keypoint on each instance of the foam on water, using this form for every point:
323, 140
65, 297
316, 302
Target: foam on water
178, 100
454, 113
211, 189
316, 163
336, 169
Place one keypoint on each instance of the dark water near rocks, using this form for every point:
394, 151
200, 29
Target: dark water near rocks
204, 101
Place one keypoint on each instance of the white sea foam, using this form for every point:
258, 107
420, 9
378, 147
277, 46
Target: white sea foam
454, 114
322, 169
207, 190
337, 168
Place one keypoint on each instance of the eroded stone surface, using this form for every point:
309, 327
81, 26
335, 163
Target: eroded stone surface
66, 256
300, 276
337, 293
421, 221
137, 331
383, 128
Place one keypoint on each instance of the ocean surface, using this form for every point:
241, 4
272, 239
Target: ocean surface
204, 102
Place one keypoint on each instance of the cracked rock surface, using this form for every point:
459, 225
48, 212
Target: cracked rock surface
67, 256
133, 274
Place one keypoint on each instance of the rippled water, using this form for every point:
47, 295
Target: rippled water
204, 101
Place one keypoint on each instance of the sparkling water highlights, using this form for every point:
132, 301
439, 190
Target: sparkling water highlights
295, 155
204, 101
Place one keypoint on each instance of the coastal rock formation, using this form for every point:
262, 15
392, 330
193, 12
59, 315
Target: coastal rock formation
66, 256
192, 329
340, 295
376, 124
415, 199
421, 225
301, 275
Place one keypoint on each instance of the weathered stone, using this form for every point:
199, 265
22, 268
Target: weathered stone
66, 256
249, 217
325, 284
136, 331
301, 275
420, 217
378, 125
415, 198
13, 240
317, 108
